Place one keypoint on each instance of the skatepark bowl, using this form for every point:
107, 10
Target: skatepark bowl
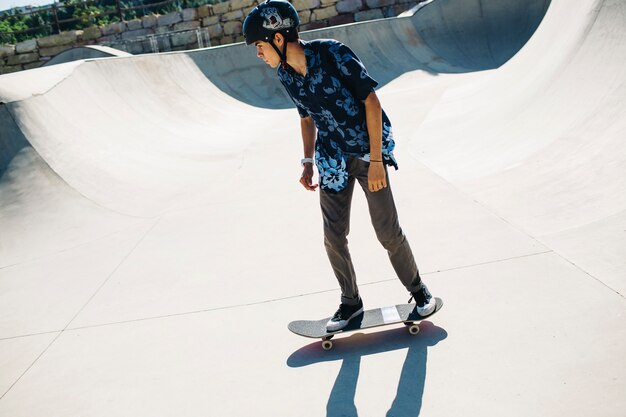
155, 241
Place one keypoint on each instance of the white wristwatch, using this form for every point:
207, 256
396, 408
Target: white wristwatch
306, 160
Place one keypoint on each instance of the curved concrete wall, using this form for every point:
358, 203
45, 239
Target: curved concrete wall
444, 36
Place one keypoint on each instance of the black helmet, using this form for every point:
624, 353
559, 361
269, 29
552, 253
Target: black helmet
268, 18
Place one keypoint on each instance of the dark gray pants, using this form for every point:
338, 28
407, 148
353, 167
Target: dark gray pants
336, 214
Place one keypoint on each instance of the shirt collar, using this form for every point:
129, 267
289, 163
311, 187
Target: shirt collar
308, 56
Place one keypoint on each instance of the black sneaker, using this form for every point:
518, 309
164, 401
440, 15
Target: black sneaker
344, 314
424, 302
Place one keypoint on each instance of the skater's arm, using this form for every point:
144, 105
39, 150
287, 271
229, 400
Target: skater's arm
374, 116
308, 141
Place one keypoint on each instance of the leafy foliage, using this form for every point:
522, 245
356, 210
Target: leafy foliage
79, 14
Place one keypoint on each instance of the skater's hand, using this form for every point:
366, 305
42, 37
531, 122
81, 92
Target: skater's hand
307, 177
376, 178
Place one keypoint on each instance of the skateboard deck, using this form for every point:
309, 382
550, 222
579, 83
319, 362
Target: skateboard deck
401, 313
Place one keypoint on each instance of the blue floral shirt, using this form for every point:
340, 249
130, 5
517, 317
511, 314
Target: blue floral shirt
332, 93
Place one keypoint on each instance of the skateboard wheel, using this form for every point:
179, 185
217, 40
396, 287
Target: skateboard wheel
414, 329
327, 345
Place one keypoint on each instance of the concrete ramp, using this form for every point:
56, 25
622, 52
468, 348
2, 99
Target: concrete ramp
541, 141
112, 128
155, 241
443, 36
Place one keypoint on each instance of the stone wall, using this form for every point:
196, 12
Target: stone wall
218, 24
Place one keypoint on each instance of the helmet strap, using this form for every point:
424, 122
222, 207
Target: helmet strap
283, 54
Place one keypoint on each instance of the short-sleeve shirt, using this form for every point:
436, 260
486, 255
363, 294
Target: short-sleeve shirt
332, 93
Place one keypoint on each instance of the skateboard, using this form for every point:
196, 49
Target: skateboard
401, 313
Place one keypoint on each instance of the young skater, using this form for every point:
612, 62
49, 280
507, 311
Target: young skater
345, 128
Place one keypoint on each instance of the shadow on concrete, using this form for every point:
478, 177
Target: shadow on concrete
443, 36
85, 52
12, 139
408, 401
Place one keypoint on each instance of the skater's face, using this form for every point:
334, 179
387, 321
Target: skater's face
265, 52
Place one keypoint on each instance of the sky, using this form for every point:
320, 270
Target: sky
8, 4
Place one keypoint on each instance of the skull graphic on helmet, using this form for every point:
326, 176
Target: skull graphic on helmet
273, 21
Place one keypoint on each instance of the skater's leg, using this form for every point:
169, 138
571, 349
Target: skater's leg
336, 216
384, 218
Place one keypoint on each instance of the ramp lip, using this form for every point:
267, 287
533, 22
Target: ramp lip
12, 85
415, 9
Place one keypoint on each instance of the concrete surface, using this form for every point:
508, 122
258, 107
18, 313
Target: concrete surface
155, 242
445, 36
